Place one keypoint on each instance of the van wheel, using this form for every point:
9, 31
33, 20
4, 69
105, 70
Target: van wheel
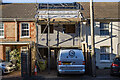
111, 73
58, 74
2, 73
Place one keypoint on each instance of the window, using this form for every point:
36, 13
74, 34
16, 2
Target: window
104, 29
25, 30
1, 30
105, 53
69, 28
45, 28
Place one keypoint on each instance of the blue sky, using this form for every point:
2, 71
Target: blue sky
54, 1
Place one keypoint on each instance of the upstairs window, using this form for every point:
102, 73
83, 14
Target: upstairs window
1, 30
104, 29
69, 28
44, 29
25, 30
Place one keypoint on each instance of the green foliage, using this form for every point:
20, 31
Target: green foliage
42, 65
15, 55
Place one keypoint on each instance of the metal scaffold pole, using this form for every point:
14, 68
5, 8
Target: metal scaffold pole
92, 39
48, 40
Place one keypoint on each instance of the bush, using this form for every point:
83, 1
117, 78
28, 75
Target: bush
15, 55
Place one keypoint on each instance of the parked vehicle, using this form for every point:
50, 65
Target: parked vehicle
6, 67
115, 67
14, 63
70, 61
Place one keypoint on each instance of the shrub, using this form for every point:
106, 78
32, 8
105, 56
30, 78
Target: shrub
15, 55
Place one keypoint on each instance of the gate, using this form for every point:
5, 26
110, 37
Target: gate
28, 57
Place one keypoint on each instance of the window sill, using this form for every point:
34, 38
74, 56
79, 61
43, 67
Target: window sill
2, 37
105, 61
25, 37
104, 36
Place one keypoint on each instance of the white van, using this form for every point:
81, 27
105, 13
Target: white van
70, 61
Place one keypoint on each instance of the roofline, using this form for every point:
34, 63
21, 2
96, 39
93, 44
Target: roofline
17, 19
34, 19
102, 19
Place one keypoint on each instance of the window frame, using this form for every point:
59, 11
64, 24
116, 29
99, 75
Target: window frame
104, 29
107, 60
2, 30
25, 29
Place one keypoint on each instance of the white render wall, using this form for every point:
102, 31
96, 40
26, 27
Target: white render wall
105, 41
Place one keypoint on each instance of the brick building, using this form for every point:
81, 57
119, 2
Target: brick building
17, 27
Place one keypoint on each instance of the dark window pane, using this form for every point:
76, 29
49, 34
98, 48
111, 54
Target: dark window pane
1, 32
105, 49
1, 25
104, 25
69, 28
25, 26
104, 56
45, 29
104, 32
25, 32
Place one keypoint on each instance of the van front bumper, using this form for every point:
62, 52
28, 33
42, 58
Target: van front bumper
71, 69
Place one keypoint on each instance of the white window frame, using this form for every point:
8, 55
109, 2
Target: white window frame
2, 30
104, 28
105, 53
25, 29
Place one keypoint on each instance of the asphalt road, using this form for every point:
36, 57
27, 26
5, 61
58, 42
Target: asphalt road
102, 74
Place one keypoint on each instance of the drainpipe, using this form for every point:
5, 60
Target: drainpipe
16, 39
118, 49
111, 44
36, 24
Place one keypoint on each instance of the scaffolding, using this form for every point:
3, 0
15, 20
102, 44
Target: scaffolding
57, 13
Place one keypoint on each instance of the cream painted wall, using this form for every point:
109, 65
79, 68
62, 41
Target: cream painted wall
105, 41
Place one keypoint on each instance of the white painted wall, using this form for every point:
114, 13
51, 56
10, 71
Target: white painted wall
104, 41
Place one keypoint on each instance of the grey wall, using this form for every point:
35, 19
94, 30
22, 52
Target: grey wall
57, 38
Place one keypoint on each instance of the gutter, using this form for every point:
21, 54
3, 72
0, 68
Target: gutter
16, 31
18, 19
13, 43
118, 49
102, 19
16, 43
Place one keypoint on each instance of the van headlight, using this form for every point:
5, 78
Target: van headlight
3, 65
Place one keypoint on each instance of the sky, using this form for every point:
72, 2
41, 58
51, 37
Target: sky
54, 1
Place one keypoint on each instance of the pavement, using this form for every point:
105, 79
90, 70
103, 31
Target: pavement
101, 74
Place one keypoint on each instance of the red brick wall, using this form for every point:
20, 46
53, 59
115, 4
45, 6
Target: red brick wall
2, 52
32, 32
9, 35
9, 32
